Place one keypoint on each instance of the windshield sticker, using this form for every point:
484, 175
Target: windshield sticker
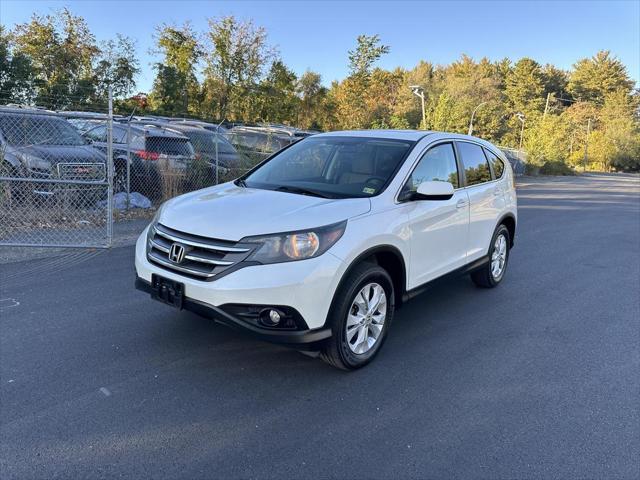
369, 190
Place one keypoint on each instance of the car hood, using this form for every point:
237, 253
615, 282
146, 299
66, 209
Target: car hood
54, 154
228, 212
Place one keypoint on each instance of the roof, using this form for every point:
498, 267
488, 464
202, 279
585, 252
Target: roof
413, 135
155, 130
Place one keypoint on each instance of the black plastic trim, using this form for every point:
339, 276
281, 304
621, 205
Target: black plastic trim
296, 338
468, 268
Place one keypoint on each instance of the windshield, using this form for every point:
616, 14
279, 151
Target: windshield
25, 130
334, 167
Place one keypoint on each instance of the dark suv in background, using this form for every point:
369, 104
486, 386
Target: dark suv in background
207, 144
159, 159
40, 145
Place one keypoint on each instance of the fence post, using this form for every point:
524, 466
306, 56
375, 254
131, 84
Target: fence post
110, 170
128, 162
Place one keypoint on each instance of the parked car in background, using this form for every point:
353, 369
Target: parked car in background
208, 145
156, 157
317, 246
260, 142
40, 145
199, 123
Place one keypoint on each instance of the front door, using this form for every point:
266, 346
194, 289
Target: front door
438, 228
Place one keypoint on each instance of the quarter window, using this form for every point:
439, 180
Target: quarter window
496, 164
438, 164
476, 167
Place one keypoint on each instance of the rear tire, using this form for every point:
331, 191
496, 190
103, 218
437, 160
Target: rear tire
493, 272
360, 317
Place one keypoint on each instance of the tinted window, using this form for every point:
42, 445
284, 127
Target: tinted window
169, 146
476, 167
98, 134
496, 164
119, 135
438, 164
337, 167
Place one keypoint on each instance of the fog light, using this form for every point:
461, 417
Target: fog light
270, 317
274, 316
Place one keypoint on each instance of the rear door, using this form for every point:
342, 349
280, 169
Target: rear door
486, 199
438, 228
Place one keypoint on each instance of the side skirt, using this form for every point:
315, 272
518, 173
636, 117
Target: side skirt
468, 268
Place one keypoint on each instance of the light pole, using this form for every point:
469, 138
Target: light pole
521, 118
418, 91
473, 114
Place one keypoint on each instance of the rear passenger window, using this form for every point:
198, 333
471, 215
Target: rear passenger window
438, 164
98, 134
496, 164
476, 167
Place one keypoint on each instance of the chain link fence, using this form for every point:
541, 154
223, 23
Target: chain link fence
517, 159
66, 176
54, 186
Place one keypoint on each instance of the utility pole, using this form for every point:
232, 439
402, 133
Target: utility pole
522, 119
586, 147
473, 114
546, 107
418, 91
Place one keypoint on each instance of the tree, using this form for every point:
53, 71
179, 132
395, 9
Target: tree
16, 73
367, 52
181, 52
313, 106
278, 94
236, 54
61, 49
350, 96
525, 88
593, 78
116, 66
168, 88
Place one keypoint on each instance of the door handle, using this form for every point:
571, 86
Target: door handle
461, 204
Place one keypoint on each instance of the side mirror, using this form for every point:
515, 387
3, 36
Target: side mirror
434, 191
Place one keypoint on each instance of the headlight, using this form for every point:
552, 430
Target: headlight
290, 246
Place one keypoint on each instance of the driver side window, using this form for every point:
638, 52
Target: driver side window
437, 164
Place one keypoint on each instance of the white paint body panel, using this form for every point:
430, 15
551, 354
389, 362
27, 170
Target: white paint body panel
433, 237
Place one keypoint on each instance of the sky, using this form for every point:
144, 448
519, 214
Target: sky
317, 35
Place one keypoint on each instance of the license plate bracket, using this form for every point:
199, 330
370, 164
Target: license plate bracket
167, 291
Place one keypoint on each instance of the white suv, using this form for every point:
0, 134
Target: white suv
317, 246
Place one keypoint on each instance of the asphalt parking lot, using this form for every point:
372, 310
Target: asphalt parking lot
537, 378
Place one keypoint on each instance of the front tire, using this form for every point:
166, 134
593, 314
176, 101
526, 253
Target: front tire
493, 272
360, 317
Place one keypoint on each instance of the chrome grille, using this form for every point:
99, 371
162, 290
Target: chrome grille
203, 258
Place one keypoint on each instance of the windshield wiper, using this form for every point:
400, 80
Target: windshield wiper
301, 191
241, 183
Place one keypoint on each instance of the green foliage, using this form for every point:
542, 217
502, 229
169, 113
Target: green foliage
594, 78
367, 52
584, 118
556, 168
176, 75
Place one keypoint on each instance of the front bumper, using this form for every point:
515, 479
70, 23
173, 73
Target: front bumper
307, 286
303, 338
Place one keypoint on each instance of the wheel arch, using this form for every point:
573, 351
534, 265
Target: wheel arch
509, 221
388, 257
